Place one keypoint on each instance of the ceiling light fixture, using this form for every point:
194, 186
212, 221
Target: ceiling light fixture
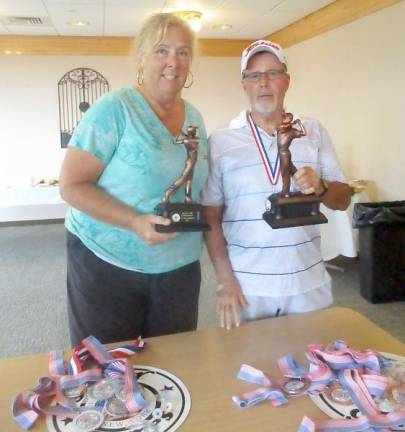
9, 52
193, 18
78, 23
222, 27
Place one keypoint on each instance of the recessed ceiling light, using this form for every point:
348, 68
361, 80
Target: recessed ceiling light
9, 52
78, 23
193, 18
222, 27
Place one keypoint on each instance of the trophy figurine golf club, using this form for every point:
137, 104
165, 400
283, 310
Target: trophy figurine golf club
285, 209
185, 216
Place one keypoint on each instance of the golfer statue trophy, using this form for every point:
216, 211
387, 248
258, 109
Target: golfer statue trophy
289, 209
185, 216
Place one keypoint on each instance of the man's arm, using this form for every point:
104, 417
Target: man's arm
229, 294
335, 195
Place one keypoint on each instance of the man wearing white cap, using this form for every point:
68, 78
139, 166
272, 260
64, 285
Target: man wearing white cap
264, 272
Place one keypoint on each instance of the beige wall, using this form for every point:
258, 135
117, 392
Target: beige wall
29, 119
351, 79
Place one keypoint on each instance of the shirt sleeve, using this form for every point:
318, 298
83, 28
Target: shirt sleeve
99, 131
212, 193
330, 168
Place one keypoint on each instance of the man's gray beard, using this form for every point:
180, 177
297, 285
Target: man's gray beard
265, 109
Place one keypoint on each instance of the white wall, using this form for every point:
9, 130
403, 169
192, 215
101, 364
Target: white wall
352, 79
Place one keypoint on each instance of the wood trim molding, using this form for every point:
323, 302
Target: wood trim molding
328, 18
333, 15
81, 45
65, 45
222, 47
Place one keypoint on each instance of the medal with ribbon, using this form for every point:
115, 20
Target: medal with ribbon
273, 172
349, 376
68, 381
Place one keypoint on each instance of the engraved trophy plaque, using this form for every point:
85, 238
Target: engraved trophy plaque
186, 216
289, 209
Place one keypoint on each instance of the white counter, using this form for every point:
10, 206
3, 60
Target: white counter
33, 203
338, 237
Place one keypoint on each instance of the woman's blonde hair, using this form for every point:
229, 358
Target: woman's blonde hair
154, 30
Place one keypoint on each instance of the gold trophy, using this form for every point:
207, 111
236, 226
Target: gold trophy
285, 209
185, 216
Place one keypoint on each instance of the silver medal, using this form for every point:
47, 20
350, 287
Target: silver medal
119, 389
385, 405
150, 427
295, 386
88, 421
341, 396
73, 393
104, 389
398, 393
116, 408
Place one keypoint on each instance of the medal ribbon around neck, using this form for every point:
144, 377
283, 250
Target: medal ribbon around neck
272, 173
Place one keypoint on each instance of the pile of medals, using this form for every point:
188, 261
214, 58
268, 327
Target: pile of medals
108, 399
94, 386
107, 395
369, 387
394, 398
391, 400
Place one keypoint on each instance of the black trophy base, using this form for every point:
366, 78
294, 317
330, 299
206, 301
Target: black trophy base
184, 217
295, 210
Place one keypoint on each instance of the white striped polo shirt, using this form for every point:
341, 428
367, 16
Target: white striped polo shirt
267, 262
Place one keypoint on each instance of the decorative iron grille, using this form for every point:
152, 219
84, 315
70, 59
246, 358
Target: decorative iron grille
77, 90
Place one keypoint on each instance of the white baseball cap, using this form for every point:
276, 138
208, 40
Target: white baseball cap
260, 46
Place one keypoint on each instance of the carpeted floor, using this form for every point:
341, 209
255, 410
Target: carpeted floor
32, 292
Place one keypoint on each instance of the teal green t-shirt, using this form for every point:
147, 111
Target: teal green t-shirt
141, 161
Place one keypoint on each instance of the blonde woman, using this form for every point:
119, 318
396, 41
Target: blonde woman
125, 279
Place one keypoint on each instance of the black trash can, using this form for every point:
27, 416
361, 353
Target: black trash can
381, 250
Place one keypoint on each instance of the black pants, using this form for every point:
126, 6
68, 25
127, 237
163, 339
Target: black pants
114, 304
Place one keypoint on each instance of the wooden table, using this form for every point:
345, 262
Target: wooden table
207, 362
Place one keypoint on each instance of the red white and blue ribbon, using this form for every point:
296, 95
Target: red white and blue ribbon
357, 371
129, 349
339, 355
274, 396
269, 390
371, 419
30, 404
273, 173
56, 364
325, 363
134, 400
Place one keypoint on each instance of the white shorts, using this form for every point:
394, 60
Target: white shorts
265, 307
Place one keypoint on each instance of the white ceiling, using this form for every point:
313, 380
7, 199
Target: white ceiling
250, 19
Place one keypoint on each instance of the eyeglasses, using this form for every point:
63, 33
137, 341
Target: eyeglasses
271, 74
